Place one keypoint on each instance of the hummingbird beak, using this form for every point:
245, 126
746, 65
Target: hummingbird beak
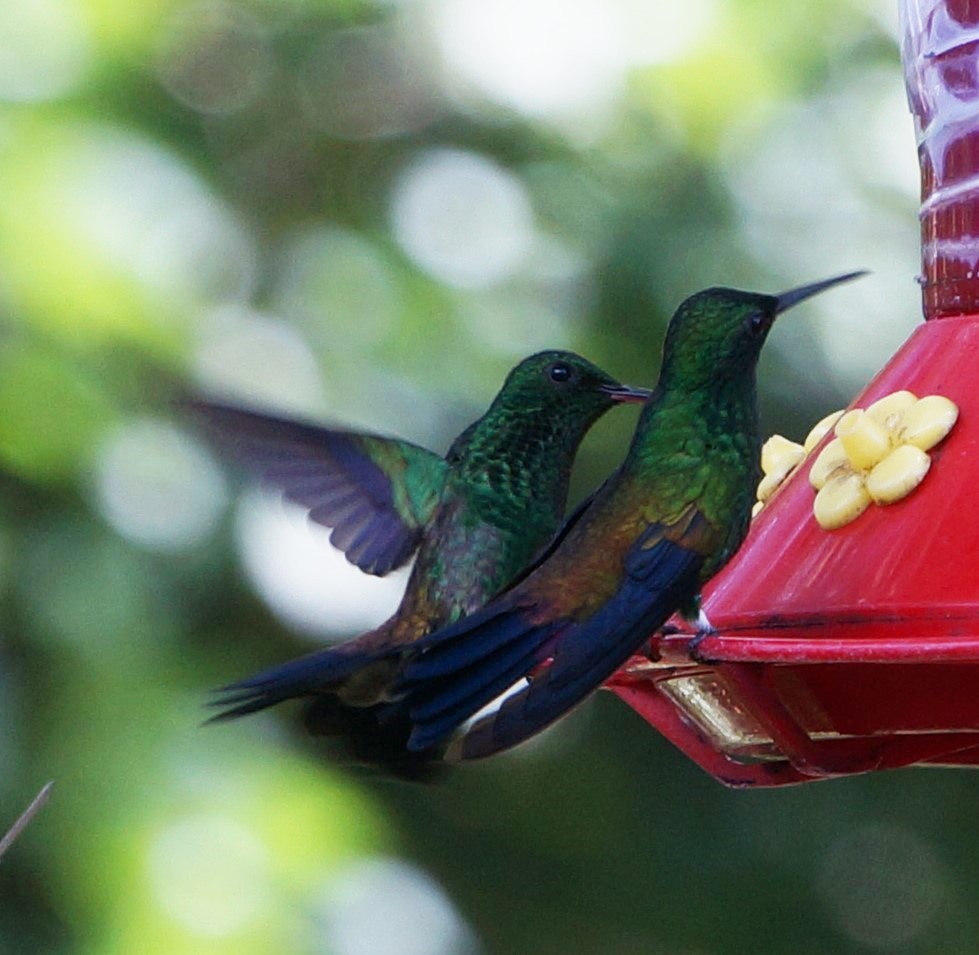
787, 299
625, 394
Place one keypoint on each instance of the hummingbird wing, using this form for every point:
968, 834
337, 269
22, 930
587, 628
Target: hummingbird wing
463, 667
378, 494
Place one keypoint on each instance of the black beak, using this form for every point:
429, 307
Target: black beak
624, 393
787, 299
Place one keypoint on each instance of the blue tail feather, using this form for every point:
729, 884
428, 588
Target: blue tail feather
590, 653
659, 577
315, 672
432, 731
466, 643
480, 680
463, 676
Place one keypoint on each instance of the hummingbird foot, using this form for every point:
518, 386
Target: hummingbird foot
650, 649
704, 629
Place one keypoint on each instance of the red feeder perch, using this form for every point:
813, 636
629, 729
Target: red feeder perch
857, 649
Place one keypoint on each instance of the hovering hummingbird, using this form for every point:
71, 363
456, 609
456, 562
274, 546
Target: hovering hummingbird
667, 520
475, 519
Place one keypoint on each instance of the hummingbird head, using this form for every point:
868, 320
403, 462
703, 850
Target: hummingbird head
524, 446
716, 335
552, 397
562, 383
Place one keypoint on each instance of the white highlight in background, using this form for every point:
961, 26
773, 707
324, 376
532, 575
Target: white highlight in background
257, 358
210, 874
149, 214
557, 59
386, 905
462, 218
157, 487
304, 579
44, 49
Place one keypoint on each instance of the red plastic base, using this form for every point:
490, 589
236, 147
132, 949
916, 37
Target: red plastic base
846, 651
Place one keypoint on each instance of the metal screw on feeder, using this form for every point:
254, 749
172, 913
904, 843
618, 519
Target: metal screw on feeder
856, 649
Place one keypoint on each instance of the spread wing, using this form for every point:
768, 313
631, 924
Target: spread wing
467, 665
378, 494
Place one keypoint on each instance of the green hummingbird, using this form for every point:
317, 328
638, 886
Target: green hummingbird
667, 520
473, 519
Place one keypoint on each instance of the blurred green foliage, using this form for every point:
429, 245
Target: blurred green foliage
368, 212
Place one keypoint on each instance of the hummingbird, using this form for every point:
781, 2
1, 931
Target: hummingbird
473, 520
671, 516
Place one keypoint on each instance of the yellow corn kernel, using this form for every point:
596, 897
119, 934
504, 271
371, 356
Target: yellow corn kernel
768, 486
820, 430
840, 500
898, 474
889, 411
756, 509
779, 455
830, 459
864, 440
928, 421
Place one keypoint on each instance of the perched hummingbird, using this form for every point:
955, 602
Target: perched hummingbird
475, 518
669, 518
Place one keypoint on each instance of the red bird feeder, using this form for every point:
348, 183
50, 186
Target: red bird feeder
857, 649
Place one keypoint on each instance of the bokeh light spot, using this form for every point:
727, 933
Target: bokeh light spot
214, 57
44, 49
257, 358
157, 487
535, 310
148, 213
462, 218
210, 874
338, 287
882, 886
304, 579
665, 32
386, 905
542, 57
366, 83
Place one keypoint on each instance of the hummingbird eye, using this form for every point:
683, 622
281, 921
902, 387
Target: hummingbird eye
756, 321
559, 371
